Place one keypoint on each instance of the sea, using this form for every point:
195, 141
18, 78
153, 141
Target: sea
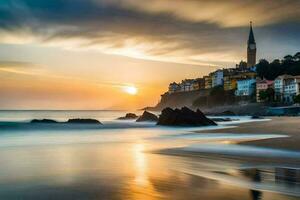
124, 159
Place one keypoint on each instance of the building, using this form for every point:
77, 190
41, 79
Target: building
230, 83
208, 82
245, 87
173, 87
286, 88
231, 76
278, 87
251, 49
229, 79
186, 85
262, 85
199, 84
290, 88
217, 78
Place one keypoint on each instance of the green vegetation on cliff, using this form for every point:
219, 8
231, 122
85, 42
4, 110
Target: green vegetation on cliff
288, 65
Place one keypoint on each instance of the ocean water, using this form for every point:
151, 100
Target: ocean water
130, 160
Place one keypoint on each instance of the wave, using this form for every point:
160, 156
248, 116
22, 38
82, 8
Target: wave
28, 126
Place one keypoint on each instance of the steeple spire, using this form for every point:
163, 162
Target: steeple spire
251, 39
251, 49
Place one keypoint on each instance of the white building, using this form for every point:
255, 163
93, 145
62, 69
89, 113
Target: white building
286, 88
245, 87
217, 78
278, 86
290, 88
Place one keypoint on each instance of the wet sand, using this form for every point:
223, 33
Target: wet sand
277, 125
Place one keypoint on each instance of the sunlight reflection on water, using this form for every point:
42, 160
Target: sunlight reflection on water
141, 165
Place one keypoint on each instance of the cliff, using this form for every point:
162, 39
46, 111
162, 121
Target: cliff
212, 102
180, 99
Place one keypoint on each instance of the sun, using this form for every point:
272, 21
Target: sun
132, 90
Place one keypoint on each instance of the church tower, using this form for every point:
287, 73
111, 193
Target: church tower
251, 50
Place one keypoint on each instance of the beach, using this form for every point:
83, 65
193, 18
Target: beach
289, 126
128, 160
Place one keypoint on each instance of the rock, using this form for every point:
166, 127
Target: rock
183, 117
256, 117
74, 121
44, 121
129, 116
147, 116
83, 121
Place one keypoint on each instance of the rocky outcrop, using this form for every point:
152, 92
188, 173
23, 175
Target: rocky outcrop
183, 117
44, 121
129, 116
70, 121
147, 116
83, 121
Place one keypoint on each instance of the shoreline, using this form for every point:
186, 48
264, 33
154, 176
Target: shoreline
289, 126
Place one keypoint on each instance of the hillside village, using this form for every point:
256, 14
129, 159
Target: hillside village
245, 81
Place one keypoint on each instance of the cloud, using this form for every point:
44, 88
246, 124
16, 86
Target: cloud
227, 13
33, 69
16, 64
16, 67
191, 32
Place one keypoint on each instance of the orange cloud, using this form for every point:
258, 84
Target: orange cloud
227, 13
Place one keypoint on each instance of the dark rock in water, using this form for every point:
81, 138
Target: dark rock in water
44, 121
256, 117
77, 121
83, 121
183, 117
147, 116
129, 116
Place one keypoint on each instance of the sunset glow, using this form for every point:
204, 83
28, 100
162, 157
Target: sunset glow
145, 43
131, 90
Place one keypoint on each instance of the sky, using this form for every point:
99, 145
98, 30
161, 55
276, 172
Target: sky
83, 54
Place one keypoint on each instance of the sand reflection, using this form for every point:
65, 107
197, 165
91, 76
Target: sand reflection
140, 163
141, 187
